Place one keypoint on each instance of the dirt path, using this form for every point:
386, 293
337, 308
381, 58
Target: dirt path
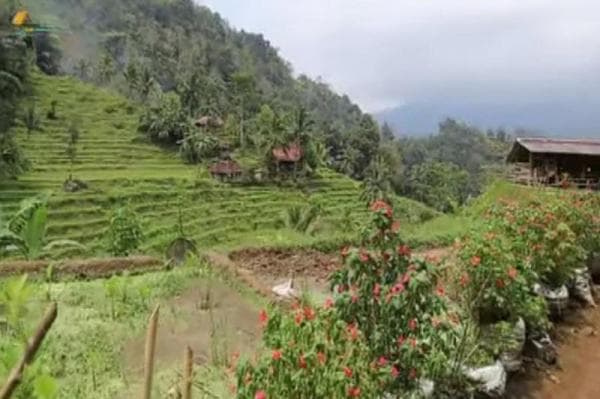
577, 374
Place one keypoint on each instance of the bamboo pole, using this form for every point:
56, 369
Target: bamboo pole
149, 353
188, 370
16, 374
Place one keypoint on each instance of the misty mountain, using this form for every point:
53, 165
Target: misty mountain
560, 119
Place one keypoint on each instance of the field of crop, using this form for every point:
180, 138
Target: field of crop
120, 167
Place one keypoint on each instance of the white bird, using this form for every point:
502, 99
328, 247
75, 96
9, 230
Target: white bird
286, 290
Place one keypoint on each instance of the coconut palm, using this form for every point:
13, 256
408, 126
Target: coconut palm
376, 184
25, 231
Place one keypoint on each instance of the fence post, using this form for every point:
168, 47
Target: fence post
149, 353
16, 374
188, 371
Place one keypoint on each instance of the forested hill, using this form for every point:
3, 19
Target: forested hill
190, 49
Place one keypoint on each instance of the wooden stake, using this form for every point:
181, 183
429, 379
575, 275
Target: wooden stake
149, 353
16, 374
188, 370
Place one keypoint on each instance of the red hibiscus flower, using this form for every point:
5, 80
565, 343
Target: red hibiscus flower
321, 358
381, 205
401, 340
348, 372
403, 250
441, 291
512, 273
412, 324
354, 392
395, 372
376, 290
382, 361
397, 288
309, 313
263, 318
475, 261
328, 303
276, 355
260, 395
364, 256
302, 362
298, 318
352, 331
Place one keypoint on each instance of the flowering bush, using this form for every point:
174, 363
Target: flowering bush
496, 283
311, 353
397, 301
540, 235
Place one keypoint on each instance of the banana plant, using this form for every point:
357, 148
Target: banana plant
25, 231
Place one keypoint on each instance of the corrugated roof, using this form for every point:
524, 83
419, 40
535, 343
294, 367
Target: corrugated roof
291, 153
561, 146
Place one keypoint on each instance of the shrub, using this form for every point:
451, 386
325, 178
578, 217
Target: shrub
398, 302
124, 233
311, 353
165, 121
496, 283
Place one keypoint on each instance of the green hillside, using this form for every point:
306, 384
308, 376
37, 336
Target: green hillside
120, 167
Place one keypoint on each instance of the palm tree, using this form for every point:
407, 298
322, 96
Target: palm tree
25, 231
376, 184
301, 127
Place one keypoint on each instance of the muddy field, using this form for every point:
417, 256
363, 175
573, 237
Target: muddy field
210, 317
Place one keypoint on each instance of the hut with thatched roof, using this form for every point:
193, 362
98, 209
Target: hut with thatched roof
209, 122
226, 169
287, 156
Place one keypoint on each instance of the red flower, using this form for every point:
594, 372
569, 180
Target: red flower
395, 226
276, 355
401, 340
382, 361
364, 256
328, 303
405, 278
299, 318
475, 261
302, 362
260, 395
440, 290
321, 358
464, 280
412, 324
354, 392
381, 205
353, 331
309, 313
403, 250
376, 290
500, 283
413, 374
263, 318
395, 372
348, 372
397, 288
512, 273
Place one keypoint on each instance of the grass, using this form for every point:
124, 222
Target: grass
100, 329
120, 167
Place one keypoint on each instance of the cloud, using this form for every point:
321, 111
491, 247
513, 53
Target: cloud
383, 53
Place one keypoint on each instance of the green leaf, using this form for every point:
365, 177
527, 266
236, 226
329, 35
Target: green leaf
45, 387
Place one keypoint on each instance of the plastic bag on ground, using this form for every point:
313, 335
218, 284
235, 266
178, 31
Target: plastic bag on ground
512, 359
543, 348
581, 288
492, 379
557, 298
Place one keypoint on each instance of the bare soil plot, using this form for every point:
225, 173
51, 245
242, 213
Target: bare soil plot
209, 317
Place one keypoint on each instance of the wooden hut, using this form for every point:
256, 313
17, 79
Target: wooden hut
555, 161
287, 157
227, 169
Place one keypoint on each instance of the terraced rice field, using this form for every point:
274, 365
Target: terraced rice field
121, 167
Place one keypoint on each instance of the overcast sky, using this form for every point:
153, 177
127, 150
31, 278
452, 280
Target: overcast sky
384, 53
